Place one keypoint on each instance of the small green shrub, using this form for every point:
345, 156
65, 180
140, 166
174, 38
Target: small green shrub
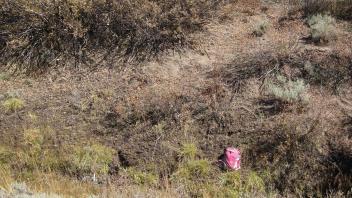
239, 184
193, 170
33, 138
254, 183
37, 152
94, 158
142, 178
4, 77
6, 155
322, 28
188, 151
195, 177
13, 104
231, 179
260, 28
288, 90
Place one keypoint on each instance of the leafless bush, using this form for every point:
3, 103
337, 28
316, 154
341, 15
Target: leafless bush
42, 34
302, 158
341, 9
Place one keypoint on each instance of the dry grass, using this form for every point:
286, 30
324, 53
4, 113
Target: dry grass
45, 34
342, 9
53, 183
167, 122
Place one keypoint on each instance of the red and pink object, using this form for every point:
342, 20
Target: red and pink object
231, 159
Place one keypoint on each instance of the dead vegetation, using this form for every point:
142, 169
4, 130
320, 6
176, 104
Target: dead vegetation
341, 9
43, 34
154, 132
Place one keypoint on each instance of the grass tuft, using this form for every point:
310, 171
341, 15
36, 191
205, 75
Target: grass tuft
13, 104
91, 159
260, 27
142, 178
189, 151
194, 170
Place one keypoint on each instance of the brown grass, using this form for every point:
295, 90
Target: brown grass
44, 34
341, 9
169, 120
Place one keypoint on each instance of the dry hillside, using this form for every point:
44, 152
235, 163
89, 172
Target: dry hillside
272, 78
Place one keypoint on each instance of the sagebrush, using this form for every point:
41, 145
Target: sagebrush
322, 28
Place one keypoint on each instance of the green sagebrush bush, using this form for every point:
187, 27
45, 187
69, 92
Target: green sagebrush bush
288, 90
48, 33
322, 28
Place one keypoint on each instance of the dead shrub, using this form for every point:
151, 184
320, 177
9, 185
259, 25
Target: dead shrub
260, 27
242, 69
303, 157
340, 149
293, 155
44, 34
341, 9
340, 158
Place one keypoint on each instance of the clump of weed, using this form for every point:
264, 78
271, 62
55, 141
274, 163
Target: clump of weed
254, 183
193, 170
142, 178
5, 178
13, 104
42, 187
194, 176
188, 151
6, 155
92, 159
239, 184
288, 90
232, 179
4, 77
322, 28
200, 180
37, 151
260, 27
